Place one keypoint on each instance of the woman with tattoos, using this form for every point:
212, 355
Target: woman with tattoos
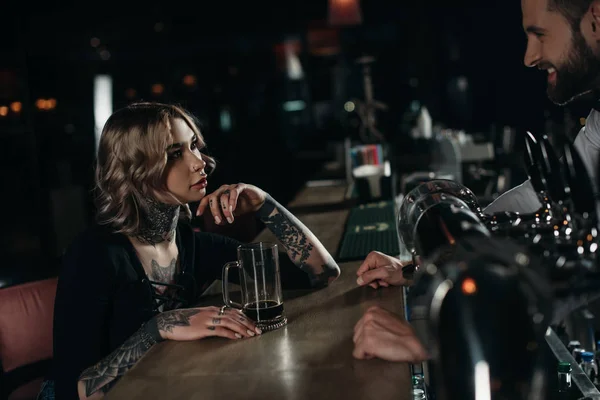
131, 280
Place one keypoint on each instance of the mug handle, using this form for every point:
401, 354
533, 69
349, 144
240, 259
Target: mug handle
225, 288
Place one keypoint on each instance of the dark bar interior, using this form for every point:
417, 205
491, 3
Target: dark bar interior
379, 126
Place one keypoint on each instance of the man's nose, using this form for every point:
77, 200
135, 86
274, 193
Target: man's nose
532, 54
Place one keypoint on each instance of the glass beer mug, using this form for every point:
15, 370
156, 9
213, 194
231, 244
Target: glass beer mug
261, 297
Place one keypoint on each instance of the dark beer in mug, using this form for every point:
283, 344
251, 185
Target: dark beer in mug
263, 310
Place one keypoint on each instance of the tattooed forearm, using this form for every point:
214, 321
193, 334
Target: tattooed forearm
106, 388
302, 247
330, 273
104, 374
291, 236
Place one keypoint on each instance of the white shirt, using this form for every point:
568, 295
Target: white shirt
523, 198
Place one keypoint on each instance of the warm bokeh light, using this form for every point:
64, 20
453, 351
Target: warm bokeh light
45, 104
469, 286
16, 106
3, 111
130, 93
189, 80
40, 104
158, 88
349, 106
94, 42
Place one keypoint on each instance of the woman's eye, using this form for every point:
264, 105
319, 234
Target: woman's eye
175, 155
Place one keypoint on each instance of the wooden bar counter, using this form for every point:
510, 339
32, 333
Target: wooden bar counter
310, 358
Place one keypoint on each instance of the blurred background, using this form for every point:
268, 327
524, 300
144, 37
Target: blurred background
276, 84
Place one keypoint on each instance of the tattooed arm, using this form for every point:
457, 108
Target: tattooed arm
98, 379
181, 325
302, 246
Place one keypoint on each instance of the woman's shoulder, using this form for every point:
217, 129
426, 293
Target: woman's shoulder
97, 238
95, 245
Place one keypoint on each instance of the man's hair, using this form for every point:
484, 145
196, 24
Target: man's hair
572, 10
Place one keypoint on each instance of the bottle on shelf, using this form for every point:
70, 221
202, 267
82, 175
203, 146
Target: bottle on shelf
577, 354
597, 360
573, 344
564, 377
418, 388
588, 365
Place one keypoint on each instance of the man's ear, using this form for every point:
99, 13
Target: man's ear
593, 19
590, 23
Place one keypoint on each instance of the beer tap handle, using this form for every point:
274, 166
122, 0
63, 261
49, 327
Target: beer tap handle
532, 156
552, 168
578, 180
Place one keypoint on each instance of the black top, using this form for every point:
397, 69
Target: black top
104, 296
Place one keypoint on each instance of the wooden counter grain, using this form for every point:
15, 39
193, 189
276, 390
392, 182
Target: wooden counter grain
310, 358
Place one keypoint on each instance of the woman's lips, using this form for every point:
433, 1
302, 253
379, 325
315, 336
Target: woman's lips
201, 184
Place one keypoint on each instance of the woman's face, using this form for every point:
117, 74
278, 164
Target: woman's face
185, 176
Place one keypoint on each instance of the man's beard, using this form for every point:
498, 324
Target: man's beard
578, 75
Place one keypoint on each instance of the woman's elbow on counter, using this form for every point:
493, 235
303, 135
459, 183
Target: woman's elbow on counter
328, 273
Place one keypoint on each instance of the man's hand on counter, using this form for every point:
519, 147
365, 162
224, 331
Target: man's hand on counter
379, 269
382, 334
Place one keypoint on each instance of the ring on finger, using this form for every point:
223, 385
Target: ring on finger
222, 310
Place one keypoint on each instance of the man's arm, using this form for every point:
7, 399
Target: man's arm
382, 334
522, 199
301, 245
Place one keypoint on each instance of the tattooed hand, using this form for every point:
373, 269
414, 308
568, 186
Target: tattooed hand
182, 324
230, 201
198, 323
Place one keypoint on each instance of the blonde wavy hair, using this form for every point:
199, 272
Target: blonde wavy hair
131, 163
